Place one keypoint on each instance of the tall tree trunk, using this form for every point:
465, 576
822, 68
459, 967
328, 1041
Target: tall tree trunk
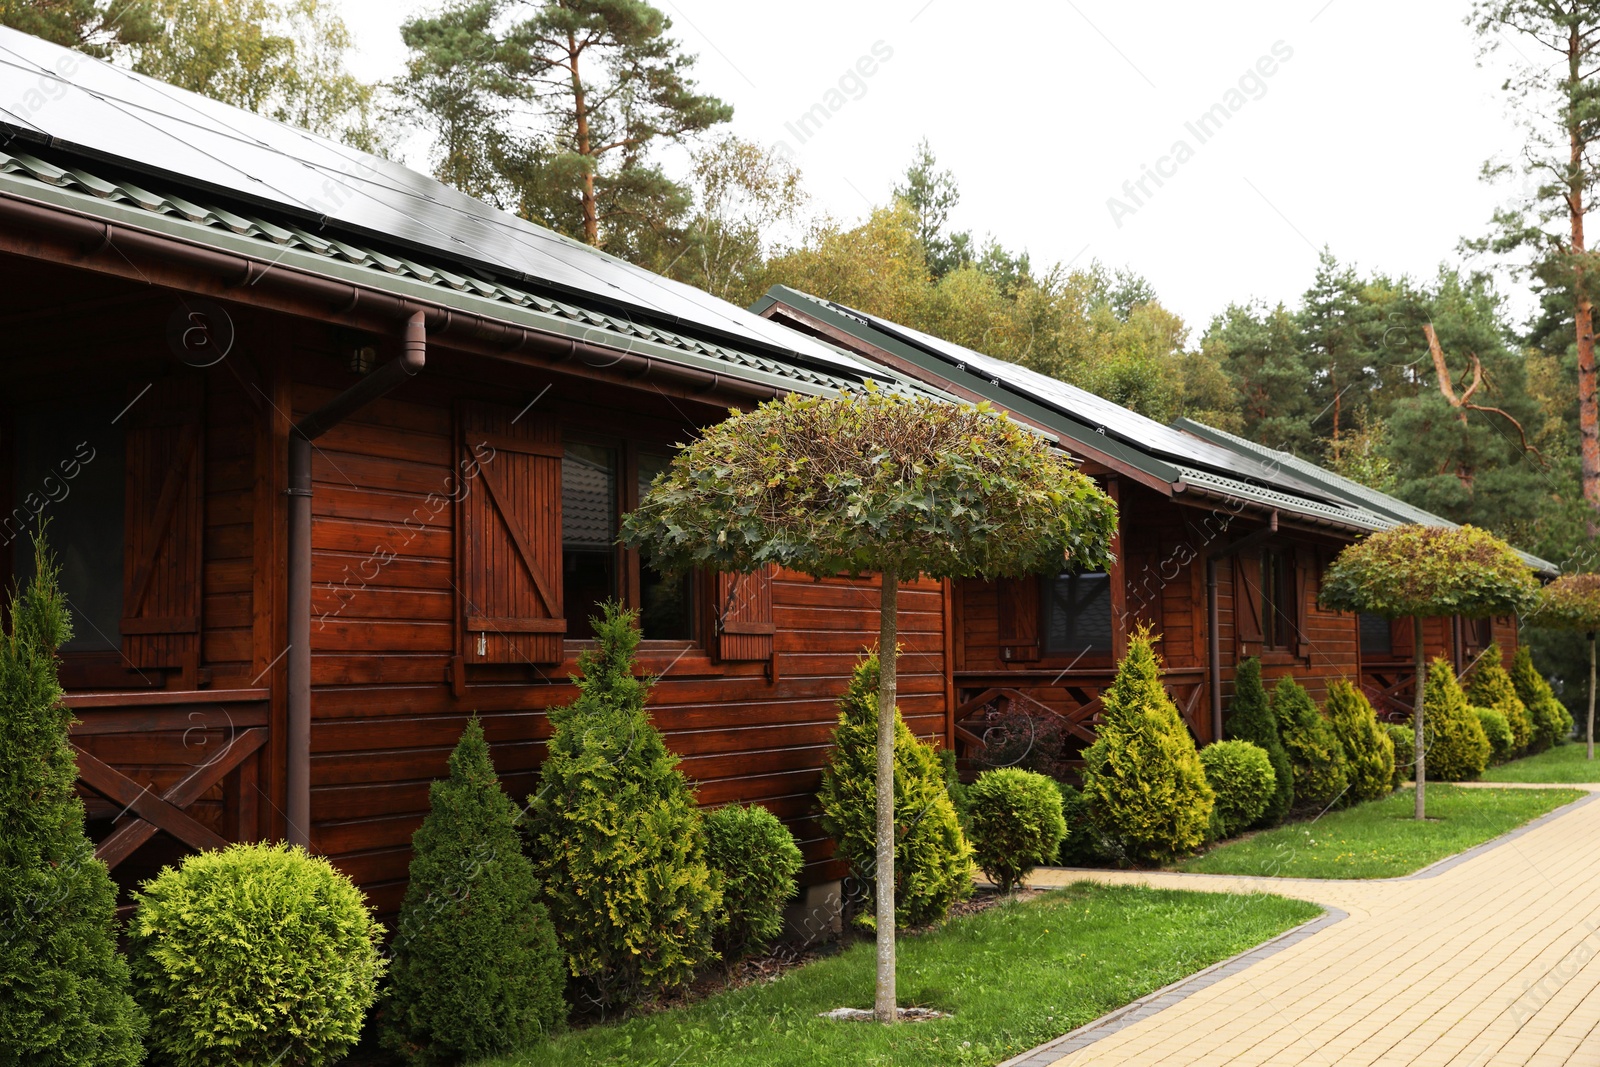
1583, 314
1589, 730
1420, 768
888, 653
580, 107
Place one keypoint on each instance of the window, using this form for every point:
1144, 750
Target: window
1277, 600
595, 493
1376, 637
1077, 610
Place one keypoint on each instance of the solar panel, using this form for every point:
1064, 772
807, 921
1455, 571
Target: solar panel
102, 111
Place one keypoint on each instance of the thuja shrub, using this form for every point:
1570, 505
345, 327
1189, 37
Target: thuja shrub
617, 840
1492, 687
1368, 748
1084, 845
1456, 746
253, 956
1016, 824
476, 970
757, 859
1142, 777
1317, 756
932, 858
1405, 751
1552, 722
63, 987
1498, 731
1251, 719
1241, 776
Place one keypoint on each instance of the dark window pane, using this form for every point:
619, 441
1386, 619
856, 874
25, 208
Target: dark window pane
1277, 600
666, 609
69, 469
1078, 613
588, 533
1376, 637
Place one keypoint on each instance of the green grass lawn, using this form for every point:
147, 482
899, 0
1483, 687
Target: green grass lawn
1564, 763
1015, 976
1380, 839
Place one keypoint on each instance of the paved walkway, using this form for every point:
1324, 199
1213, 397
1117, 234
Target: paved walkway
1492, 959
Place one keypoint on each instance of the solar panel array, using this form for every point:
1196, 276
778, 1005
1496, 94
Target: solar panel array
101, 111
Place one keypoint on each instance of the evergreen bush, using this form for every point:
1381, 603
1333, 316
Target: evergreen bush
1552, 722
476, 970
63, 987
1457, 747
1320, 773
1492, 688
1016, 824
932, 859
1241, 776
1498, 731
1404, 740
253, 956
757, 859
1368, 748
1143, 779
1084, 845
617, 840
1252, 719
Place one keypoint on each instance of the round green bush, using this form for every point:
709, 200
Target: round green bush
476, 970
758, 860
932, 859
1405, 752
1241, 776
1455, 744
1369, 753
1321, 776
1016, 823
1142, 777
1492, 688
1552, 722
1251, 718
1498, 731
253, 956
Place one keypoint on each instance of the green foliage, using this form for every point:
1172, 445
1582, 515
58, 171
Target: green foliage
1084, 845
476, 970
1491, 687
1571, 602
1252, 719
1404, 741
932, 859
253, 956
757, 859
617, 839
65, 997
1241, 776
1369, 751
1321, 774
95, 27
1498, 731
1016, 824
1456, 746
1552, 722
1142, 777
873, 482
1429, 571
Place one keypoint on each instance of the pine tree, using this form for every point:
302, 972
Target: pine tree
476, 969
1491, 688
65, 998
1320, 773
617, 840
1142, 777
1251, 719
1368, 749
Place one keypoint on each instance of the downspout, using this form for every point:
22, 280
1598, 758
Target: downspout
1213, 615
413, 355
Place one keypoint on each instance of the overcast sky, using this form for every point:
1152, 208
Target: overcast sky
1359, 124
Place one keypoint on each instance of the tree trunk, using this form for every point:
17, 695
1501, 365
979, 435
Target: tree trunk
1420, 769
1589, 730
580, 110
1583, 312
888, 653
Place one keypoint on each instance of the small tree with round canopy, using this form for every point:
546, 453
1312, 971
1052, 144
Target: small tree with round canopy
880, 482
1572, 602
1427, 571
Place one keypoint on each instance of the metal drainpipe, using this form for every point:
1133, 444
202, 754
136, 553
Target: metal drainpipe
412, 357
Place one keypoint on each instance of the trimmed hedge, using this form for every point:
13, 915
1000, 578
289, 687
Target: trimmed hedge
1552, 722
932, 859
1457, 747
1241, 776
1318, 759
253, 956
1369, 752
1252, 719
1498, 731
757, 859
1016, 824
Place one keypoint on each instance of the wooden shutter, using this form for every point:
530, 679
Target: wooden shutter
509, 556
1018, 618
743, 619
1305, 579
164, 524
1247, 603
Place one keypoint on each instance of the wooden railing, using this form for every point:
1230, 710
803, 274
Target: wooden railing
187, 763
1390, 686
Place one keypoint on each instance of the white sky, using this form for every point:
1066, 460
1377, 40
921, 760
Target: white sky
1368, 139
